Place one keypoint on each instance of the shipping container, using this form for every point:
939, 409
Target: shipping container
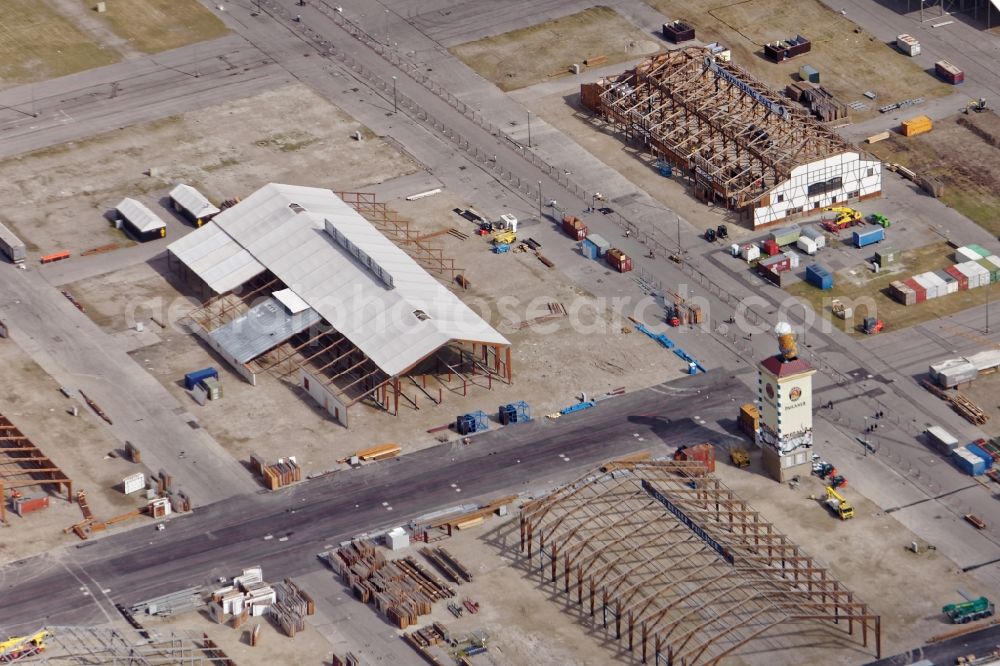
819, 277
703, 453
949, 72
786, 235
619, 260
885, 256
809, 73
12, 246
994, 259
676, 32
978, 450
750, 252
25, 505
770, 247
920, 292
950, 283
978, 276
938, 285
966, 253
575, 227
806, 244
192, 379
968, 462
960, 277
785, 49
868, 237
816, 235
952, 372
989, 268
776, 264
917, 125
902, 293
594, 246
908, 45
980, 250
943, 440
929, 286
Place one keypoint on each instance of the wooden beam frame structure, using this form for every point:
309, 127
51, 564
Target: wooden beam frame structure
723, 129
23, 465
691, 570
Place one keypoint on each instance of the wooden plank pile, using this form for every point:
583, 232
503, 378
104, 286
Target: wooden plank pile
969, 410
283, 473
435, 634
292, 606
401, 589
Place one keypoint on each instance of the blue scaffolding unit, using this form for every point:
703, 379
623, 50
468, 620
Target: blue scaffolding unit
515, 412
467, 424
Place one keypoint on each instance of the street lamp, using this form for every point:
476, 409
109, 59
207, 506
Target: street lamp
395, 106
529, 129
539, 199
387, 27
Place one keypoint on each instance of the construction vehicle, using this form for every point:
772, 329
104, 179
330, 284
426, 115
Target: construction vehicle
838, 481
722, 231
846, 217
710, 235
977, 105
505, 237
872, 325
740, 458
880, 219
969, 611
19, 647
839, 504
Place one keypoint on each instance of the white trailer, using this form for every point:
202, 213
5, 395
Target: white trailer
908, 45
12, 246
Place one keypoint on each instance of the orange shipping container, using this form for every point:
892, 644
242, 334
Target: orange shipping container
703, 453
917, 125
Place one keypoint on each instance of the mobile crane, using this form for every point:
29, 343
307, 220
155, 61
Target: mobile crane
846, 217
839, 504
19, 647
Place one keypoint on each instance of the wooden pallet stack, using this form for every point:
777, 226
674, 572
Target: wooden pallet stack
402, 590
283, 473
447, 564
292, 606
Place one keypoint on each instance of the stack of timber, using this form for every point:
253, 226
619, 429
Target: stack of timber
969, 410
349, 660
402, 590
292, 606
283, 473
425, 638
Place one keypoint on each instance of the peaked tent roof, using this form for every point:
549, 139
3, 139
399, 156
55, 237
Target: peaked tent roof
139, 215
192, 200
358, 280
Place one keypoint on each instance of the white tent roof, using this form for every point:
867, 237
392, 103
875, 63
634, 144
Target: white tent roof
291, 300
360, 282
193, 201
141, 217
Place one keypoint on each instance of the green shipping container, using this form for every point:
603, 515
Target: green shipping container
980, 250
988, 265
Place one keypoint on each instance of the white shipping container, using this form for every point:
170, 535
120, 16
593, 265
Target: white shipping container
750, 252
806, 244
940, 286
994, 259
974, 272
929, 286
908, 45
793, 259
964, 253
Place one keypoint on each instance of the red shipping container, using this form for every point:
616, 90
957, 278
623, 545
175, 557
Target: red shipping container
963, 280
619, 260
25, 505
703, 453
575, 227
915, 286
771, 247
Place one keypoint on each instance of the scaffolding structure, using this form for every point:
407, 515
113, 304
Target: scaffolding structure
938, 10
736, 138
683, 569
22, 465
104, 646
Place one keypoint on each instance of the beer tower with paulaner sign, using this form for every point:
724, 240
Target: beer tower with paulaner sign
785, 429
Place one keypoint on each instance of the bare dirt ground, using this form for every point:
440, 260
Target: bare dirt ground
522, 57
54, 199
850, 61
600, 139
151, 26
79, 446
963, 153
38, 43
552, 364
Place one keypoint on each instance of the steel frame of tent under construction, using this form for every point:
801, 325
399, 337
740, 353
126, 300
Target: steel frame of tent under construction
935, 10
738, 140
22, 464
98, 645
680, 564
333, 369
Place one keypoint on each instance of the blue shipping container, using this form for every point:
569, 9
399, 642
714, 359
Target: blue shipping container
589, 249
968, 462
863, 238
819, 277
192, 379
977, 450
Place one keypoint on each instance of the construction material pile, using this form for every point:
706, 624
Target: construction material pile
292, 606
283, 473
248, 595
402, 589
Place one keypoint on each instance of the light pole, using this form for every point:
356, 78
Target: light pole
987, 308
539, 199
529, 129
387, 27
395, 106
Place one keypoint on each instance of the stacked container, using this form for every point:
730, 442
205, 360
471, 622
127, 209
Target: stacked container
990, 268
979, 249
966, 253
968, 462
902, 293
977, 275
960, 277
929, 286
918, 290
939, 286
950, 283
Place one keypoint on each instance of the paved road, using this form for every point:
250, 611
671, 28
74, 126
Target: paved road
79, 355
73, 107
66, 588
945, 653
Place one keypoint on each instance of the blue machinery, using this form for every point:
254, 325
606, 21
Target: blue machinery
693, 365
